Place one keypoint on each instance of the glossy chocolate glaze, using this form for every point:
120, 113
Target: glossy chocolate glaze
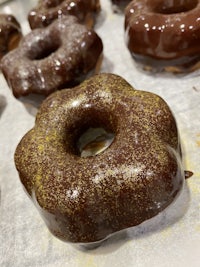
52, 58
86, 199
47, 11
164, 33
10, 33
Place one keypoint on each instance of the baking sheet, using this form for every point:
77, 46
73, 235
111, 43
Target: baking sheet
170, 239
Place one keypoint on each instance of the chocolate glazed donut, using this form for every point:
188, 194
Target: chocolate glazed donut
56, 57
86, 199
164, 34
48, 10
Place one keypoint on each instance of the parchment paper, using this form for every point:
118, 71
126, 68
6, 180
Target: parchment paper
171, 239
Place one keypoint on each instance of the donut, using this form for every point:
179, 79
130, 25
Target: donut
10, 33
48, 10
164, 35
86, 199
58, 56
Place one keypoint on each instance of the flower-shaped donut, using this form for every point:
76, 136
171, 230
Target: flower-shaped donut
58, 56
85, 199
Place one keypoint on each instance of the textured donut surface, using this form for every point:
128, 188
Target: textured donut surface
10, 33
52, 58
164, 33
137, 176
47, 11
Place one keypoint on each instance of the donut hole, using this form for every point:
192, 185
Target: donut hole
175, 6
94, 141
43, 48
47, 51
91, 134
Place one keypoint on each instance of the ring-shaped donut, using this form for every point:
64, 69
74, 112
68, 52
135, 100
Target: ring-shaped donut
52, 58
86, 199
164, 34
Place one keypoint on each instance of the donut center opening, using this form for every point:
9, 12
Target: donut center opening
91, 128
94, 141
46, 50
174, 6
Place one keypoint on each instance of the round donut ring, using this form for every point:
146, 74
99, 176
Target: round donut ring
56, 57
86, 199
165, 33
